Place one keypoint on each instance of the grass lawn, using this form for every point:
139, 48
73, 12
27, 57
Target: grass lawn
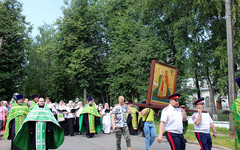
224, 141
219, 129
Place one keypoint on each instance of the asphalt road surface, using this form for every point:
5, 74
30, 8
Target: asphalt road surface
104, 142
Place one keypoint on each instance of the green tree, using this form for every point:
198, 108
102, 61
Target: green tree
80, 49
39, 68
14, 30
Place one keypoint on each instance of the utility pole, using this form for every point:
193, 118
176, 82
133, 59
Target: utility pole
231, 74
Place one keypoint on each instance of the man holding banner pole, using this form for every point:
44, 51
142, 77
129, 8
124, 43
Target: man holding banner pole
172, 119
202, 124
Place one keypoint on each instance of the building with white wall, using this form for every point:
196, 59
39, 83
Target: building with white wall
204, 90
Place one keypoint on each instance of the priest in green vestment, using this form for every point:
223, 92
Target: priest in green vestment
40, 130
90, 120
15, 118
236, 117
132, 119
34, 101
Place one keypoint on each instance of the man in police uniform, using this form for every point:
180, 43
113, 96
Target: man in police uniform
202, 124
172, 122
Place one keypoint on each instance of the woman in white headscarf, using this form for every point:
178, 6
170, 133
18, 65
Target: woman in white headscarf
61, 116
106, 119
78, 112
70, 119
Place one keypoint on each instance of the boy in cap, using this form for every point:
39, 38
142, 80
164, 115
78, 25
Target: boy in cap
202, 124
236, 117
172, 119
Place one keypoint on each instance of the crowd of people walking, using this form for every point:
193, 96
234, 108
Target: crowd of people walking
43, 123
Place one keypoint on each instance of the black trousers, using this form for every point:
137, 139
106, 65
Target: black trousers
77, 125
12, 134
70, 124
64, 127
176, 141
204, 140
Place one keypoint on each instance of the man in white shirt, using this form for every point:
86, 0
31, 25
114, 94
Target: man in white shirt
202, 124
172, 119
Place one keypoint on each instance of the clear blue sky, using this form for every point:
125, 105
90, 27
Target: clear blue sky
38, 12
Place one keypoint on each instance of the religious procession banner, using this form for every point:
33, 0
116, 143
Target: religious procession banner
236, 120
41, 116
92, 114
162, 83
19, 113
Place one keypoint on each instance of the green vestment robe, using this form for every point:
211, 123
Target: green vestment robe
15, 118
94, 120
41, 116
236, 120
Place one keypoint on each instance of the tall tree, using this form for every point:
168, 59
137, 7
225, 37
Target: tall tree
81, 50
14, 30
39, 68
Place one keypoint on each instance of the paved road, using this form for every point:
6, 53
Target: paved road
104, 142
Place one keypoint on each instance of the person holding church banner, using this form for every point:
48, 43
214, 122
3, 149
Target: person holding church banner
202, 124
149, 127
40, 130
172, 119
236, 117
15, 118
90, 120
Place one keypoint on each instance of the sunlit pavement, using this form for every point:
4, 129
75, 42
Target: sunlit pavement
105, 142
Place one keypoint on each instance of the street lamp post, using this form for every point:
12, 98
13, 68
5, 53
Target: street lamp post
1, 40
